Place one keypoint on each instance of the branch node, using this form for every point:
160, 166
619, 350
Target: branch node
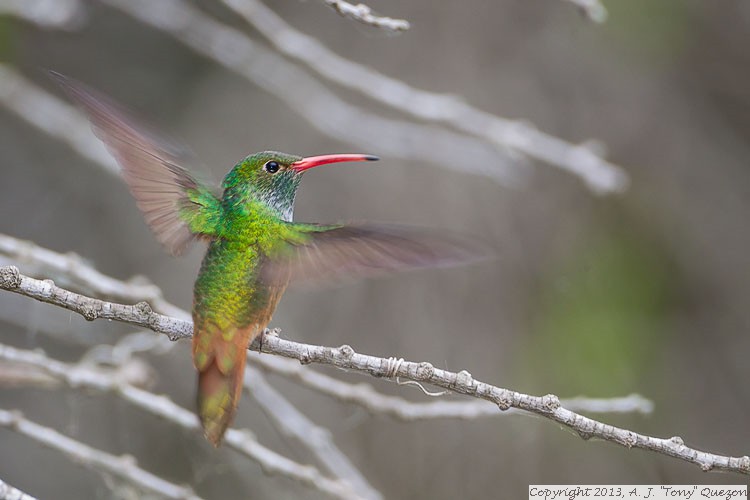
677, 440
346, 351
585, 435
464, 379
425, 370
631, 439
744, 463
89, 311
305, 358
504, 403
551, 402
143, 308
10, 277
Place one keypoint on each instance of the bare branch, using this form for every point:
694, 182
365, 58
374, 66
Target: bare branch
363, 14
21, 375
293, 423
71, 267
140, 314
346, 358
281, 412
123, 467
548, 406
241, 440
367, 397
304, 94
74, 271
8, 492
581, 160
64, 14
627, 404
592, 9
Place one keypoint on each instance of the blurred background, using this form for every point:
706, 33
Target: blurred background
643, 291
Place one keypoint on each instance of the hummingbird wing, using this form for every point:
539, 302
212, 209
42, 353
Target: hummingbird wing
176, 207
318, 253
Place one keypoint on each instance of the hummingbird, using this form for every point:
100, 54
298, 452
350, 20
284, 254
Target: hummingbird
255, 248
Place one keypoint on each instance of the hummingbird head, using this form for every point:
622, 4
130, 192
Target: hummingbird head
274, 177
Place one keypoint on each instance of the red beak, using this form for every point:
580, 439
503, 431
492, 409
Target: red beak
314, 161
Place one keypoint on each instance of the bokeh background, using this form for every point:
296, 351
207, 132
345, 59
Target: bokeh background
644, 291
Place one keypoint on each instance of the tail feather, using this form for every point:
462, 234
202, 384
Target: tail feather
218, 395
221, 372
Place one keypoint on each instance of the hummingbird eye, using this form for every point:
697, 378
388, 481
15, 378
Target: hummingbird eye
271, 167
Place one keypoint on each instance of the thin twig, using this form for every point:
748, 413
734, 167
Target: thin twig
8, 492
581, 160
324, 110
71, 267
83, 278
21, 375
345, 357
60, 14
364, 395
240, 440
594, 10
281, 412
74, 271
124, 467
363, 14
293, 423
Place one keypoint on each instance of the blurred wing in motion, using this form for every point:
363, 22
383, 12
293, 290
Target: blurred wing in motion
176, 207
335, 253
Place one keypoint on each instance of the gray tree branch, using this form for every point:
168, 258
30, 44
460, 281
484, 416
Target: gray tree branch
8, 492
72, 271
123, 467
592, 9
345, 357
375, 402
60, 14
363, 14
294, 424
305, 95
84, 375
581, 160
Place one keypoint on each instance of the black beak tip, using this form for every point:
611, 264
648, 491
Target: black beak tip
371, 158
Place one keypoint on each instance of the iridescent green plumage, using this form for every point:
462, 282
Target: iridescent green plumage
231, 303
254, 248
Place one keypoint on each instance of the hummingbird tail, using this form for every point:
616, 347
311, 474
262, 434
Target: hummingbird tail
220, 380
218, 395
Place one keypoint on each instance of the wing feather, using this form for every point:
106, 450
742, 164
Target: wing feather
166, 193
337, 253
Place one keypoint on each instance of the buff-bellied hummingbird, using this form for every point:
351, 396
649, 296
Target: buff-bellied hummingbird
254, 248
